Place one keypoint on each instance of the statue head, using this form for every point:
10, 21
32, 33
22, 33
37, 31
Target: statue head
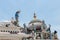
55, 32
18, 12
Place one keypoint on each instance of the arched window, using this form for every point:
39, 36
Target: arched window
8, 31
7, 25
38, 28
3, 30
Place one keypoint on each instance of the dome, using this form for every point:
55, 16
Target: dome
34, 21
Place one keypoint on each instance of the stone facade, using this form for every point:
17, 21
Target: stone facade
41, 30
36, 30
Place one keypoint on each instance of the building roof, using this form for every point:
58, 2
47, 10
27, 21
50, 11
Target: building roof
34, 21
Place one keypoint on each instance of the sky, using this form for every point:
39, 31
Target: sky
47, 10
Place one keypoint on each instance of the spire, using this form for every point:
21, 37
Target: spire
34, 15
50, 32
49, 25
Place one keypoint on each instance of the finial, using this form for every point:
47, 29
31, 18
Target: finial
49, 25
43, 21
55, 32
34, 15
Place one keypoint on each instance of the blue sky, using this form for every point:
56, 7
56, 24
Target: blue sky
48, 10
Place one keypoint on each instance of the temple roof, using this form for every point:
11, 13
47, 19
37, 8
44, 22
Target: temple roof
35, 19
